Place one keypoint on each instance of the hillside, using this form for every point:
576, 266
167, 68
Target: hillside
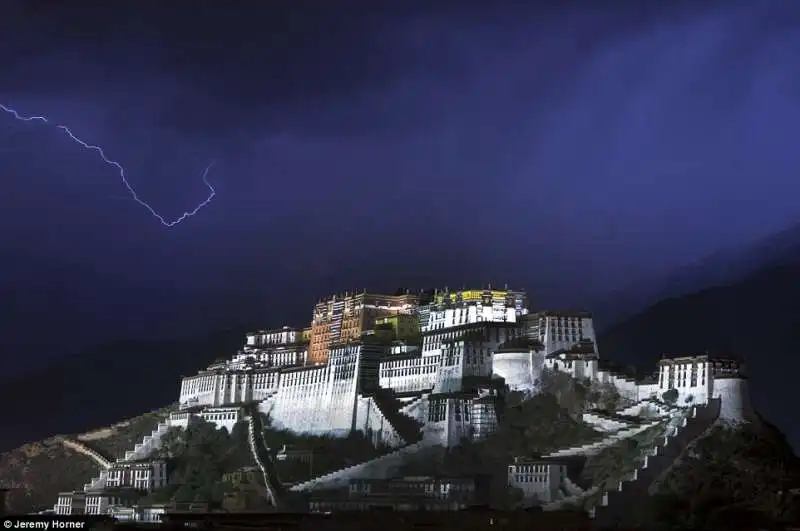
36, 472
757, 319
76, 392
738, 477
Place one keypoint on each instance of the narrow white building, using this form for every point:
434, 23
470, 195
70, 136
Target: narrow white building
539, 479
282, 336
519, 362
146, 475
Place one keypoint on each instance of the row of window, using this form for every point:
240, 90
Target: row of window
528, 469
409, 371
529, 478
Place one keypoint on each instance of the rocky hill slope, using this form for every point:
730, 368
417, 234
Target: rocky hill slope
36, 472
747, 476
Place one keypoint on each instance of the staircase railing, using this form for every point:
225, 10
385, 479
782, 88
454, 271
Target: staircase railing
263, 459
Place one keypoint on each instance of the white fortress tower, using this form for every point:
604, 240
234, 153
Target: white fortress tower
519, 362
701, 378
550, 338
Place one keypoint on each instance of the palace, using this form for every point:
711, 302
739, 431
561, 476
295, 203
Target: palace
441, 361
410, 371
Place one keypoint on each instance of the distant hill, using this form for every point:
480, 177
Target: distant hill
717, 269
100, 386
756, 318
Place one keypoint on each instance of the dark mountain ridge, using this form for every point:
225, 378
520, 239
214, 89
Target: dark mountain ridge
720, 268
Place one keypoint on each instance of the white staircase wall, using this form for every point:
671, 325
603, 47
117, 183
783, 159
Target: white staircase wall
371, 421
417, 409
379, 468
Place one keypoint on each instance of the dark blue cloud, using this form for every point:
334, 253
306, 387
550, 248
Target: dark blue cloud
566, 148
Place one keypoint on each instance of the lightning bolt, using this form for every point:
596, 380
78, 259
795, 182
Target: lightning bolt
66, 130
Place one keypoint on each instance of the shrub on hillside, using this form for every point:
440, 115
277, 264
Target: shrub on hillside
528, 427
745, 472
670, 396
197, 458
36, 473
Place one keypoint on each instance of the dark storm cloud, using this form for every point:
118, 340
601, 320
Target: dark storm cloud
270, 66
564, 148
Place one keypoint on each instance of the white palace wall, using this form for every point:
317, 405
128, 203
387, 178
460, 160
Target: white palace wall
310, 400
323, 399
220, 388
408, 372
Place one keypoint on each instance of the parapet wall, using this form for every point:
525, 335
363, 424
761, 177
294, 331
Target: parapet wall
619, 503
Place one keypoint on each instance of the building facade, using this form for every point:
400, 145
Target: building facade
700, 378
346, 317
560, 329
452, 309
323, 398
146, 475
539, 480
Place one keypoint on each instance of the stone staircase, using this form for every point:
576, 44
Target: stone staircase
261, 455
633, 491
141, 450
97, 483
571, 489
594, 448
407, 428
380, 467
638, 408
610, 504
149, 443
85, 450
603, 422
590, 497
410, 406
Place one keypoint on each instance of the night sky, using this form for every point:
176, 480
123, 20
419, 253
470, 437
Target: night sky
565, 150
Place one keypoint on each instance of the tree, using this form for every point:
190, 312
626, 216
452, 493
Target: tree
670, 396
172, 444
608, 396
570, 393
